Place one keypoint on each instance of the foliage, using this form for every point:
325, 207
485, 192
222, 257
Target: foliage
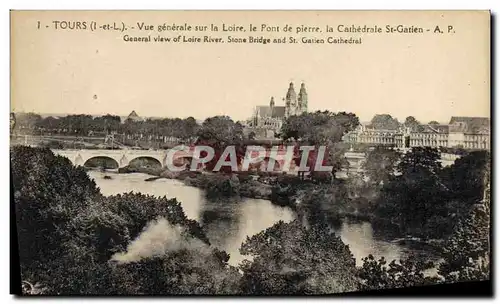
221, 129
86, 125
402, 200
323, 204
467, 251
413, 124
222, 185
319, 127
384, 122
27, 121
68, 232
49, 193
426, 200
407, 273
219, 132
380, 164
139, 209
289, 258
424, 159
182, 272
465, 178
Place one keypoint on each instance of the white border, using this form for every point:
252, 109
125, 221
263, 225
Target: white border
200, 4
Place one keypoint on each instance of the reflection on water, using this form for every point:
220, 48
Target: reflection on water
228, 222
359, 237
363, 241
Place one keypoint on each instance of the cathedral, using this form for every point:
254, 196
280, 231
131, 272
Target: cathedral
271, 117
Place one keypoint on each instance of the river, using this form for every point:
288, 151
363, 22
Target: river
228, 224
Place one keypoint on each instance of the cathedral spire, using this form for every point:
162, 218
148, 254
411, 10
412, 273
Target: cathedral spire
302, 98
291, 96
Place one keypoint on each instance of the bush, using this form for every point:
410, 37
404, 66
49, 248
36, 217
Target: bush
408, 273
290, 258
68, 232
48, 193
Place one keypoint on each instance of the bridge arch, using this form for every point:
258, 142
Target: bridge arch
105, 162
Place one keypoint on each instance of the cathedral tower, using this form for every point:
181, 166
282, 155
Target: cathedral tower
302, 105
291, 100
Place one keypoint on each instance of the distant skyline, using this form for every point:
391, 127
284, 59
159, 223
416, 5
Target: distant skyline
430, 77
202, 119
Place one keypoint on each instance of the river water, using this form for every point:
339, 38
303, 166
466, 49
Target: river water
228, 224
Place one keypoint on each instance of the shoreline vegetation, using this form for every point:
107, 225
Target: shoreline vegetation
129, 243
264, 186
74, 240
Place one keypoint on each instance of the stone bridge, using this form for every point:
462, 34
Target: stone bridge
121, 157
125, 156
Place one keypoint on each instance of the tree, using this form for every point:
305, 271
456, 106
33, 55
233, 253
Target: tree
49, 124
384, 122
413, 124
465, 178
407, 273
49, 194
221, 129
139, 209
467, 251
181, 272
380, 164
68, 233
349, 121
320, 129
106, 124
222, 186
27, 122
420, 159
218, 133
433, 122
190, 127
323, 204
416, 197
289, 258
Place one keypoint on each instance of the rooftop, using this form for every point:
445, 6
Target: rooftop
471, 125
267, 111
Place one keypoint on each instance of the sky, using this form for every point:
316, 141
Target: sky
431, 77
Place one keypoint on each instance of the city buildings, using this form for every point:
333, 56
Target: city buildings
460, 132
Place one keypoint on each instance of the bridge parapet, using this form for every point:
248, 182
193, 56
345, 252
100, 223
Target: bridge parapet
122, 157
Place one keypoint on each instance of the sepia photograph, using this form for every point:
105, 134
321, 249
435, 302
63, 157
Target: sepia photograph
249, 153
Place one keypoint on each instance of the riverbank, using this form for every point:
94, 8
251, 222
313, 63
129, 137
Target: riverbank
247, 185
191, 192
280, 189
284, 191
